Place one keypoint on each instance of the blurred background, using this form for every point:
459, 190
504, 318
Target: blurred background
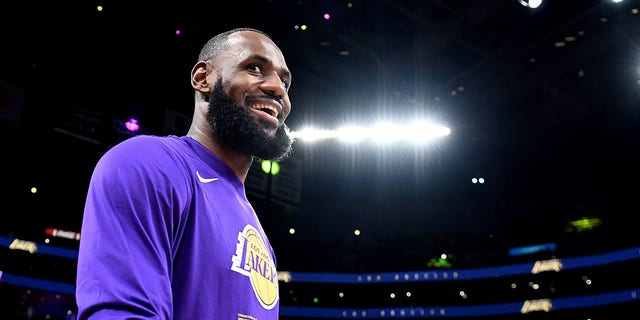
527, 209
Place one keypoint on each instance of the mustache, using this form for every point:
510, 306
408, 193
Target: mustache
275, 98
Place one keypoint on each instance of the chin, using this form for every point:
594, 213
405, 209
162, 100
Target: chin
269, 128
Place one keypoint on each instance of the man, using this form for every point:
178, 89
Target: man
167, 231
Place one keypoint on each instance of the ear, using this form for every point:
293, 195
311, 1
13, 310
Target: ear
199, 77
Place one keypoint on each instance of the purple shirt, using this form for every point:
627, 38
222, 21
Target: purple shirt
168, 233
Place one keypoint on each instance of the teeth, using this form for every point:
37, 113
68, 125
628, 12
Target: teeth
265, 107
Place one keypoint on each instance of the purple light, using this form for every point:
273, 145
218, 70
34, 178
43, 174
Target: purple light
177, 32
327, 16
132, 125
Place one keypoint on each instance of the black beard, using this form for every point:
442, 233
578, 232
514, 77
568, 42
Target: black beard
238, 129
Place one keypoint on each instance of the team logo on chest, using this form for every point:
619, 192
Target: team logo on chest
253, 259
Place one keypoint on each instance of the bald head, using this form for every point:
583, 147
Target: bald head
218, 44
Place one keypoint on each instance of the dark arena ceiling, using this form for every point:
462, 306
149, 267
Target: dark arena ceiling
544, 104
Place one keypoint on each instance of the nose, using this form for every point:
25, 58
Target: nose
273, 85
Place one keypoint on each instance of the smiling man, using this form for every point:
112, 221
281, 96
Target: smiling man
167, 231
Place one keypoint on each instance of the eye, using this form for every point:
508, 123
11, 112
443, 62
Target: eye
258, 69
254, 68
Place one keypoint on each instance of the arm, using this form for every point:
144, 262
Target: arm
125, 257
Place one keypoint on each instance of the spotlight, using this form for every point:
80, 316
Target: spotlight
531, 3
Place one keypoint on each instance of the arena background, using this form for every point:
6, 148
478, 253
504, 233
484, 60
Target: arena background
543, 106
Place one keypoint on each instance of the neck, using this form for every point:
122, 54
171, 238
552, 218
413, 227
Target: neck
239, 163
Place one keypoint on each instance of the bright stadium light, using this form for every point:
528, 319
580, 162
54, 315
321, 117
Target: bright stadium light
352, 134
418, 132
531, 3
421, 131
386, 132
310, 134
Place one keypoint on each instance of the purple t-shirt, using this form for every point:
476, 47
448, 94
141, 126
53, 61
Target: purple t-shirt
168, 233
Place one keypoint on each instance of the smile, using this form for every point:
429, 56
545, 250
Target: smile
268, 109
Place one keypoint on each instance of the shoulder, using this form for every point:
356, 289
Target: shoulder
142, 143
143, 148
146, 154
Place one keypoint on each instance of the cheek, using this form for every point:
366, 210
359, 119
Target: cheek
236, 95
237, 91
286, 108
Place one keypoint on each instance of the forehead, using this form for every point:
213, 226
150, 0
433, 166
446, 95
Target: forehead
246, 44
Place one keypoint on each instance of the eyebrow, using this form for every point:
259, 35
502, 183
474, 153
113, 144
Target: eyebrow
266, 60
